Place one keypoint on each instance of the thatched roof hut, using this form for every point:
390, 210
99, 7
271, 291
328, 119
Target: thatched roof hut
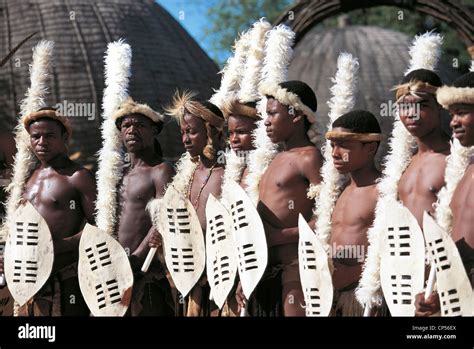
383, 57
165, 57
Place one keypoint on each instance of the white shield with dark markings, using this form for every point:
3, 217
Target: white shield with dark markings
105, 274
29, 253
454, 289
249, 238
221, 261
402, 260
183, 241
315, 276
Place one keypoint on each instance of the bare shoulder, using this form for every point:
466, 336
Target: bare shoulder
309, 163
164, 169
82, 177
161, 174
437, 158
310, 156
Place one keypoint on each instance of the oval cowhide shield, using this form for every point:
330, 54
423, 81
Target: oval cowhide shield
29, 253
105, 274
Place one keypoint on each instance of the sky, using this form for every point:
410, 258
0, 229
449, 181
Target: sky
192, 15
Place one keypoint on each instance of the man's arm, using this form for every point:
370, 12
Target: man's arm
84, 182
311, 163
161, 176
283, 236
310, 166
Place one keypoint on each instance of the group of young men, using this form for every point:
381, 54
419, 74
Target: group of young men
56, 181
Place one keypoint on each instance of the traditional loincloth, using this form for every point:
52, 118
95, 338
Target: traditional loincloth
6, 302
151, 295
196, 303
230, 307
266, 300
345, 303
51, 301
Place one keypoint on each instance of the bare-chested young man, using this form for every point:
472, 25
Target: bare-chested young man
241, 123
355, 137
201, 124
144, 179
63, 193
459, 100
284, 185
421, 115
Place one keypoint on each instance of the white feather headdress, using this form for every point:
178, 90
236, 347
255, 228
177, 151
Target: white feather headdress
425, 53
252, 71
278, 55
342, 101
118, 60
25, 160
248, 92
232, 72
457, 162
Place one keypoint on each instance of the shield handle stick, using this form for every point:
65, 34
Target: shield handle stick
148, 259
431, 281
244, 312
367, 310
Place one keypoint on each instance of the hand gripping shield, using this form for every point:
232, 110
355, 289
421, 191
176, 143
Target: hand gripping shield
183, 240
454, 289
315, 276
221, 261
105, 274
249, 238
402, 259
29, 253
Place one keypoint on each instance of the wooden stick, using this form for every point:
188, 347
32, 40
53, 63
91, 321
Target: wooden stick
431, 281
367, 310
148, 259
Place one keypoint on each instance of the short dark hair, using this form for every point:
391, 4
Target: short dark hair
423, 75
303, 91
358, 121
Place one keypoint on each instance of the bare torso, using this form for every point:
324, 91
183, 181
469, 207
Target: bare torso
421, 182
56, 196
283, 195
213, 186
352, 216
140, 184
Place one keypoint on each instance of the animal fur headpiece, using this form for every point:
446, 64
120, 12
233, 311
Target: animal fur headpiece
211, 115
129, 107
48, 114
460, 92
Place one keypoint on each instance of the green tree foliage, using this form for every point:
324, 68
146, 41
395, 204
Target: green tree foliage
229, 17
411, 23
